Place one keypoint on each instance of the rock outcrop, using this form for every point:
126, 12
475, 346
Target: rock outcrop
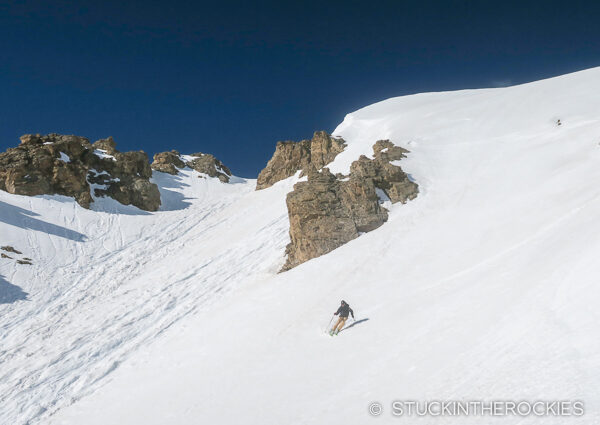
170, 162
290, 157
327, 211
72, 166
167, 162
8, 248
385, 175
207, 164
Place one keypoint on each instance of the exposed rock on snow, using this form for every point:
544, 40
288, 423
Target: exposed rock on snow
169, 162
289, 157
327, 211
10, 249
36, 167
386, 176
207, 164
124, 176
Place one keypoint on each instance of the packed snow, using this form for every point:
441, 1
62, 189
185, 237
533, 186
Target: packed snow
485, 287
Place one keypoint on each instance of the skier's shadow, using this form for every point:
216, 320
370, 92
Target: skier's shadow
355, 323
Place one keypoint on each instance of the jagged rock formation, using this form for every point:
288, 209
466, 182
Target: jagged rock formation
207, 164
124, 176
289, 157
72, 166
169, 162
327, 211
384, 174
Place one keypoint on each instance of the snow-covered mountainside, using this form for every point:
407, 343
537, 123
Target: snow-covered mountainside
484, 287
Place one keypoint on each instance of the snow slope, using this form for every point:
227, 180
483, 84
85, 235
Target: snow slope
485, 287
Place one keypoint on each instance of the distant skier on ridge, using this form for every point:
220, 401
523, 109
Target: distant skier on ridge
343, 312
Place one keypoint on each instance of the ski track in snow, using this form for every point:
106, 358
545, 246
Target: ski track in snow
95, 303
484, 287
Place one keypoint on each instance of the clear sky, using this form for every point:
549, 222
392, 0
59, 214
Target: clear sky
233, 78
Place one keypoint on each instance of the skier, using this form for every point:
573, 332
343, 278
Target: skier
343, 312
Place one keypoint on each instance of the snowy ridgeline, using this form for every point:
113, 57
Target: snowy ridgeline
484, 287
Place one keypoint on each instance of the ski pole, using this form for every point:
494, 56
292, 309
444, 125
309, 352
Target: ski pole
329, 324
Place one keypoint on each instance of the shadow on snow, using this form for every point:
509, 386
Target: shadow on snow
170, 200
20, 217
10, 293
355, 323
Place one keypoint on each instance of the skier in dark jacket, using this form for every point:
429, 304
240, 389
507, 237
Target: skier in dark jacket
343, 313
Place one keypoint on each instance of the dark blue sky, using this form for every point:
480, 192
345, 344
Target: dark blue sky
232, 78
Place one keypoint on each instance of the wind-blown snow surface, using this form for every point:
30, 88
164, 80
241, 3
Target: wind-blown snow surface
485, 287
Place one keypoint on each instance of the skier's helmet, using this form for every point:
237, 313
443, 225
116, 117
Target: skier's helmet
344, 302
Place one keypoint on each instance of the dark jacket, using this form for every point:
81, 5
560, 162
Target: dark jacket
343, 311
